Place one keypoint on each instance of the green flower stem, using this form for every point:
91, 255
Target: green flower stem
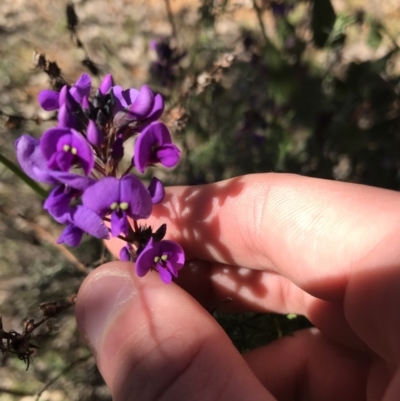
16, 170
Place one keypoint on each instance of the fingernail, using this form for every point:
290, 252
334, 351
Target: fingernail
100, 301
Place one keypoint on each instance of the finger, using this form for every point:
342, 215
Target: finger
259, 291
212, 284
307, 366
154, 342
314, 232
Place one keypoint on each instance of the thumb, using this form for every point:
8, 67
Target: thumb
152, 341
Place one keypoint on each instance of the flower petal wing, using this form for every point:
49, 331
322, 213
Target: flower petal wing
90, 222
71, 235
137, 196
165, 275
143, 103
81, 88
72, 180
145, 260
31, 159
175, 253
49, 100
156, 190
168, 155
49, 141
83, 151
106, 84
101, 195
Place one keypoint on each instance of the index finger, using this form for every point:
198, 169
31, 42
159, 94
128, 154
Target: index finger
314, 232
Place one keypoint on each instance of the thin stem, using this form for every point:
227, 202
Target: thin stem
17, 171
62, 373
171, 19
260, 21
128, 170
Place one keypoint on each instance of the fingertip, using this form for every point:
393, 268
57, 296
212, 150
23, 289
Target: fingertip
153, 339
101, 295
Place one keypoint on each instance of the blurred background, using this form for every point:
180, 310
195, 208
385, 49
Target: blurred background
308, 87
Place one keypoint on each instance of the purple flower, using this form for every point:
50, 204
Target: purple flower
124, 254
69, 109
64, 148
280, 9
31, 159
50, 100
70, 186
94, 134
168, 57
154, 145
156, 190
136, 107
122, 198
81, 220
106, 84
166, 257
57, 203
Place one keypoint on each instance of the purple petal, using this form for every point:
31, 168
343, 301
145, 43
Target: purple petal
143, 103
62, 161
157, 109
49, 100
120, 102
165, 275
106, 84
64, 96
94, 134
81, 88
72, 180
66, 118
130, 95
175, 253
90, 222
168, 155
156, 190
137, 196
71, 235
85, 104
124, 254
84, 151
145, 260
101, 195
48, 143
31, 159
119, 224
153, 136
57, 203
153, 44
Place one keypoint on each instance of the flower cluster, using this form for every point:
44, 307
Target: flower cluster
80, 158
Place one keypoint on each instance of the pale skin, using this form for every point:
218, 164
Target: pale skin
272, 242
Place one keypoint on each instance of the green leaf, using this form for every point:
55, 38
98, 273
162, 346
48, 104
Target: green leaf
17, 171
322, 21
374, 36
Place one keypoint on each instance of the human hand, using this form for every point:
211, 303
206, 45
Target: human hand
324, 249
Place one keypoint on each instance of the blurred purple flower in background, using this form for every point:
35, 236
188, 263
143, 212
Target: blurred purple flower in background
164, 69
